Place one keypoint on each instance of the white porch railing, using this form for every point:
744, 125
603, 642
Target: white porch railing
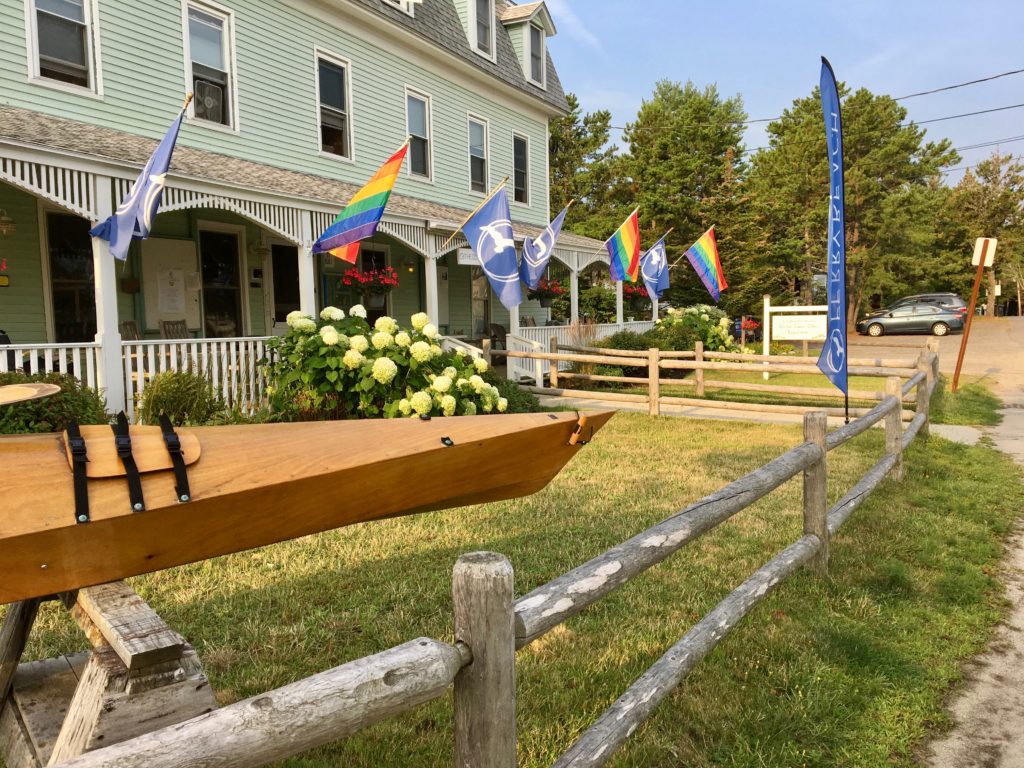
539, 338
232, 365
79, 360
450, 345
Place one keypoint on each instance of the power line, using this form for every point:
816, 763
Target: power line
791, 142
959, 85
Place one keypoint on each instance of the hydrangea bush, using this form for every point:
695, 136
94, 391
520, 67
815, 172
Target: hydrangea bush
341, 367
701, 322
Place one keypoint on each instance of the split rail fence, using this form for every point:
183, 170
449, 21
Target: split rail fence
490, 625
556, 377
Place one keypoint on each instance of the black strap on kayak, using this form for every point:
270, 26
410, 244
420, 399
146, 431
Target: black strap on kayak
78, 461
123, 441
173, 444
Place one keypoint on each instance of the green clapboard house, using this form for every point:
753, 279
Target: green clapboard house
297, 103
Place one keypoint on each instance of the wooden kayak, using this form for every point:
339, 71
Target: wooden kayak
258, 484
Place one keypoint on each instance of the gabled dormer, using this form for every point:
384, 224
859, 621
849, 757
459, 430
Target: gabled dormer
529, 26
480, 22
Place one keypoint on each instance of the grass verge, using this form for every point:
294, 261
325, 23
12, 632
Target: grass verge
973, 404
850, 671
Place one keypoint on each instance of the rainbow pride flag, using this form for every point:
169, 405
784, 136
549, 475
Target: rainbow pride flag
624, 250
703, 255
361, 216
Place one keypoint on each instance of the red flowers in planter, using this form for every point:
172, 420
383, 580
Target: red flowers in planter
372, 280
547, 289
749, 324
637, 291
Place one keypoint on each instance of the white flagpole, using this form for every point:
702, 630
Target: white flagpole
471, 215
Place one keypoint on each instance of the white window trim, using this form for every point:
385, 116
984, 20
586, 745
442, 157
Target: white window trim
229, 21
410, 91
204, 225
473, 40
471, 118
341, 61
528, 47
529, 191
406, 6
90, 11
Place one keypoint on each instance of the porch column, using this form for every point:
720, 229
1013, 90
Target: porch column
111, 366
513, 320
430, 286
307, 274
574, 296
618, 302
654, 310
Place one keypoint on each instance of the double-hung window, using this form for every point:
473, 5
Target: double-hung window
537, 57
484, 26
520, 169
335, 121
210, 64
417, 111
477, 155
64, 42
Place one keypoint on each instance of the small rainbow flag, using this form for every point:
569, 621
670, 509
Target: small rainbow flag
624, 250
361, 216
703, 255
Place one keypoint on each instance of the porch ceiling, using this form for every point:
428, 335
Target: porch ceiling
35, 129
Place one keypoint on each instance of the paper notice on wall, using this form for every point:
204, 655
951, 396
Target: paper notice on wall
192, 284
171, 299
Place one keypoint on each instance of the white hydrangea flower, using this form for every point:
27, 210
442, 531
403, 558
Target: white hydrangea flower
460, 352
429, 330
382, 340
435, 350
404, 406
421, 403
502, 404
441, 384
343, 341
384, 370
403, 339
451, 373
304, 325
486, 405
359, 343
462, 384
332, 314
704, 317
329, 335
419, 320
352, 359
357, 310
468, 408
480, 364
448, 405
292, 317
478, 384
724, 322
386, 324
420, 351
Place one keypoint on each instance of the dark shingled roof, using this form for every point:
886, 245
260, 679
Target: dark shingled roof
34, 128
438, 21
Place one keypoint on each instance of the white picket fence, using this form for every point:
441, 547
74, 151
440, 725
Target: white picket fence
539, 340
232, 365
79, 360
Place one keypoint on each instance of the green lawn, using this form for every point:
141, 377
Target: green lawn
850, 671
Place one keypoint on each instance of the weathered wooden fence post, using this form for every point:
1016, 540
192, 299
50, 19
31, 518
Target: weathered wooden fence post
654, 380
698, 350
894, 425
816, 489
553, 375
924, 391
485, 691
485, 345
933, 346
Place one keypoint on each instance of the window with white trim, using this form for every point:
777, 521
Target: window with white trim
417, 114
64, 46
335, 120
483, 25
209, 64
478, 155
537, 62
408, 6
520, 169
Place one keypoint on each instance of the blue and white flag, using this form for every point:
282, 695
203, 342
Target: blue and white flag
489, 232
537, 253
833, 358
134, 216
654, 270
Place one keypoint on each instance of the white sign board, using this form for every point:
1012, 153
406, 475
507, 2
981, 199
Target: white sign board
467, 258
990, 252
804, 327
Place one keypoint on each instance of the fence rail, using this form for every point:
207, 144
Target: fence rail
78, 360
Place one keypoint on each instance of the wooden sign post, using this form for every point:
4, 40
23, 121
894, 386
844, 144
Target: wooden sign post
984, 256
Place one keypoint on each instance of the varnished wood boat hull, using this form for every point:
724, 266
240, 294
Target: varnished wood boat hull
260, 484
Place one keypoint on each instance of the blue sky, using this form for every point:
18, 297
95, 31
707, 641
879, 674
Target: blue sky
610, 53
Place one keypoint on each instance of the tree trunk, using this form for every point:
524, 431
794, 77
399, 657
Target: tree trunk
990, 309
1020, 309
